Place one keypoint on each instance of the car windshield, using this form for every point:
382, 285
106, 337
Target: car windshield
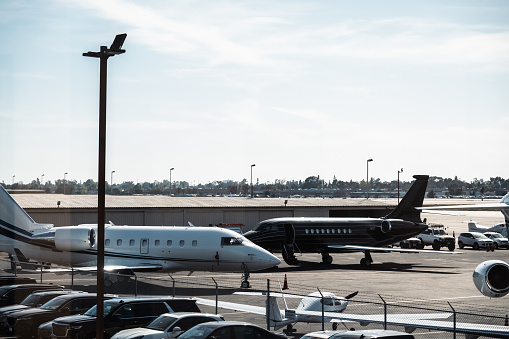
162, 322
53, 304
198, 332
496, 235
479, 236
441, 232
31, 300
108, 307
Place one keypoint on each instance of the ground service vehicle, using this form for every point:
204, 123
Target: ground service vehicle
498, 239
365, 334
168, 325
229, 330
436, 236
25, 323
120, 314
475, 239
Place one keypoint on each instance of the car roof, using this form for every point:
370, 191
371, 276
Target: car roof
152, 298
229, 323
186, 314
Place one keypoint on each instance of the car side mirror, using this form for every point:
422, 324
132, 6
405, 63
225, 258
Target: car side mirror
176, 329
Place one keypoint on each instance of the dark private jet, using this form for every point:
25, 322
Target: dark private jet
329, 235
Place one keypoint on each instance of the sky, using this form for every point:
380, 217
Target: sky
299, 88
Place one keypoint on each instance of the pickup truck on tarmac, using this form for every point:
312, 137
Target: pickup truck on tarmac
436, 236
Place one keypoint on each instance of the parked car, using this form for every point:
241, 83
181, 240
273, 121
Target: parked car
168, 325
120, 314
36, 299
14, 294
229, 330
475, 239
437, 237
364, 334
498, 239
25, 323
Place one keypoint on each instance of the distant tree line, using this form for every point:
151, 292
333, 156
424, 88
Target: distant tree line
455, 187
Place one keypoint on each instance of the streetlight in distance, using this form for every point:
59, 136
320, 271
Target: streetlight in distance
111, 183
367, 177
103, 55
399, 171
171, 169
13, 179
42, 180
64, 181
253, 165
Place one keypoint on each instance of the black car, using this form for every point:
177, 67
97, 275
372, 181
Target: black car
120, 314
14, 294
229, 330
24, 323
36, 299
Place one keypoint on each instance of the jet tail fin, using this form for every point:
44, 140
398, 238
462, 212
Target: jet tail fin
273, 313
23, 261
415, 196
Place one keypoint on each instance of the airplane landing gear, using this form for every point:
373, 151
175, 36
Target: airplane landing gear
326, 258
245, 280
367, 260
289, 330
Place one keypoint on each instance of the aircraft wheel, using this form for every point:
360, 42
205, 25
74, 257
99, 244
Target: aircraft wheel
476, 246
460, 244
365, 262
245, 284
327, 259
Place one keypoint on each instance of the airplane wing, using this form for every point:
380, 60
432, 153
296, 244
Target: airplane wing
108, 268
232, 306
388, 249
410, 323
272, 294
494, 206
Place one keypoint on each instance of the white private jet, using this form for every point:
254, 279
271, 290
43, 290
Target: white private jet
474, 226
130, 248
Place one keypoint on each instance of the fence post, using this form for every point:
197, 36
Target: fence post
385, 312
323, 311
267, 306
454, 320
135, 285
173, 280
217, 292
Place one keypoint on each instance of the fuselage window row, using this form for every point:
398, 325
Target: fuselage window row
157, 243
328, 231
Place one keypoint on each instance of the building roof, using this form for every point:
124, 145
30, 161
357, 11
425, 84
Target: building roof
45, 201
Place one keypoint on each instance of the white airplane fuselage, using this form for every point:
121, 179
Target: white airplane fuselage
172, 248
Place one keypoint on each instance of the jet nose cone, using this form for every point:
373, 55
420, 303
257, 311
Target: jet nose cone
264, 259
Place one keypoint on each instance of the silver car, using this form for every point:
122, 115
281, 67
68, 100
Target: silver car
499, 239
475, 239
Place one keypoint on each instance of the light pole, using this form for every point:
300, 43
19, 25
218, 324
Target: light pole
399, 171
171, 169
111, 183
42, 180
103, 55
253, 165
13, 179
64, 181
367, 177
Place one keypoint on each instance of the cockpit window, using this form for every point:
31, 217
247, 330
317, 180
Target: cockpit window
327, 301
228, 241
267, 228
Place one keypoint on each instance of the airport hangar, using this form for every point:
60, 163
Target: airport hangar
65, 210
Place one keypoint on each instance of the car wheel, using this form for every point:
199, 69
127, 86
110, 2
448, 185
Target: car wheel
476, 246
460, 244
495, 245
451, 247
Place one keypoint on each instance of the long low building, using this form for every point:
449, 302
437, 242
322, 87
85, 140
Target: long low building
64, 210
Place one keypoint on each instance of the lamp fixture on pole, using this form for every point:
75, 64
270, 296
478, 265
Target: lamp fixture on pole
171, 169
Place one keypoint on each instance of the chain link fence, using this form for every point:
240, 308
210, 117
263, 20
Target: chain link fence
222, 288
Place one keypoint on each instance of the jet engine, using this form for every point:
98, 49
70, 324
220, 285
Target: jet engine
492, 278
386, 226
75, 238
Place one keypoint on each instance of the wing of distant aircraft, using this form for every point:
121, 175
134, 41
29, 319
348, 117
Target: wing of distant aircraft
388, 249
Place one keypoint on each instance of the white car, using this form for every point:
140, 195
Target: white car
475, 239
498, 239
168, 325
